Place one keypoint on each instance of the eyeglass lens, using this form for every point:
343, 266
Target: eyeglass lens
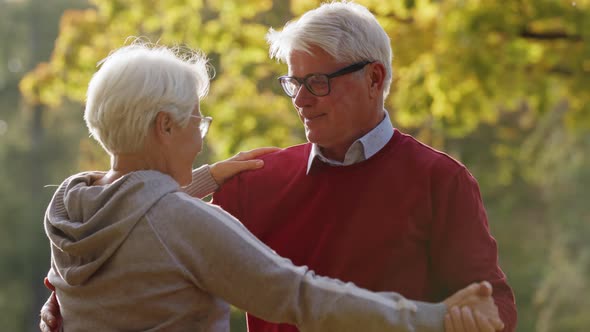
317, 84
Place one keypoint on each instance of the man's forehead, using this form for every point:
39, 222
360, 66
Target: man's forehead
313, 61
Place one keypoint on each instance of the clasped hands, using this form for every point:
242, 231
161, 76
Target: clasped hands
472, 309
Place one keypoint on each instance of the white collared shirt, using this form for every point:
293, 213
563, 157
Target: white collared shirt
362, 149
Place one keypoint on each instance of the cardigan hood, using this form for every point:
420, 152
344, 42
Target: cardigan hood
87, 223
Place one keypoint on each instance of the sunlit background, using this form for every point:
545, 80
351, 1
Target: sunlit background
504, 86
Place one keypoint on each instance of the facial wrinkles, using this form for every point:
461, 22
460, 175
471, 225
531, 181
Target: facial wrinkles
301, 64
333, 116
332, 121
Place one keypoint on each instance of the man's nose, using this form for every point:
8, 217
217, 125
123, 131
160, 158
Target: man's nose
303, 97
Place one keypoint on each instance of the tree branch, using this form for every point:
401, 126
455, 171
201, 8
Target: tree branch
405, 20
549, 35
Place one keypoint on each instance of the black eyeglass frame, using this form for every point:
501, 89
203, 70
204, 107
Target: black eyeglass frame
304, 81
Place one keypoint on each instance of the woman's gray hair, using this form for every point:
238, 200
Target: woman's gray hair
133, 84
347, 31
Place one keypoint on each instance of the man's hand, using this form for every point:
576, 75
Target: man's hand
473, 309
243, 161
51, 320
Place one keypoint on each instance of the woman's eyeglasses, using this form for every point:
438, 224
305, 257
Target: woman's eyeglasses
203, 124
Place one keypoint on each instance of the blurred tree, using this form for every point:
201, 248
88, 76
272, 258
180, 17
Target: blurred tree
561, 170
29, 157
532, 184
458, 63
231, 33
500, 85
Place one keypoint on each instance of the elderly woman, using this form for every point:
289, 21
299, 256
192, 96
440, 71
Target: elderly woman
132, 251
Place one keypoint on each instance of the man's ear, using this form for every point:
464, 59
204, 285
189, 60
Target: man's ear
163, 126
376, 73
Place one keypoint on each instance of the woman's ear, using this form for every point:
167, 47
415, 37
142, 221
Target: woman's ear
163, 125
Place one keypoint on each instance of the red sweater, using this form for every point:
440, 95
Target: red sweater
410, 219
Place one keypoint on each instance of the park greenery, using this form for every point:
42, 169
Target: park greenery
503, 86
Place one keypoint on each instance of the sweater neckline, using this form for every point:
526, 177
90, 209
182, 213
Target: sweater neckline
319, 165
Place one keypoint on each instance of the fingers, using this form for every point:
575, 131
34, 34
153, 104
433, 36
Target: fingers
462, 295
487, 325
235, 167
485, 289
247, 155
48, 284
243, 161
473, 309
474, 293
448, 324
495, 324
43, 327
223, 170
48, 320
472, 289
455, 313
468, 319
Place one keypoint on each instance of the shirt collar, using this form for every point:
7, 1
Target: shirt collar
362, 149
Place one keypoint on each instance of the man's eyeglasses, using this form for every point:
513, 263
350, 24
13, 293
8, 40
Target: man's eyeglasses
317, 84
204, 124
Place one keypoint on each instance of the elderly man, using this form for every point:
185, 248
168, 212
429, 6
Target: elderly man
362, 201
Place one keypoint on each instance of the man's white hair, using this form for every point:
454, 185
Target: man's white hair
136, 82
347, 31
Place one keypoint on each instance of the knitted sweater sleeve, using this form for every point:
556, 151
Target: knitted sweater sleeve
223, 258
202, 184
463, 249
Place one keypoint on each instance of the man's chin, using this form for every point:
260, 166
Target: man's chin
312, 136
